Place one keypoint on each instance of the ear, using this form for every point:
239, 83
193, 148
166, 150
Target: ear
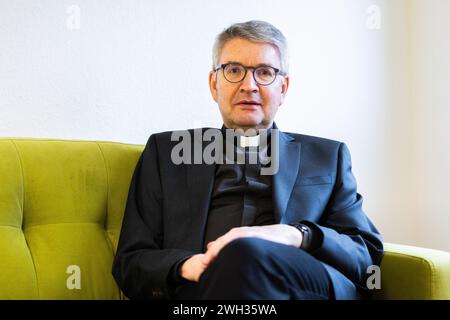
284, 89
213, 85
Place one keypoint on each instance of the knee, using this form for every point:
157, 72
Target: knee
237, 259
245, 249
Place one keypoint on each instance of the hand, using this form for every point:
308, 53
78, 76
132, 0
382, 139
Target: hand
192, 268
280, 233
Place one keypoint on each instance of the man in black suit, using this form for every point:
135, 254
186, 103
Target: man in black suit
229, 229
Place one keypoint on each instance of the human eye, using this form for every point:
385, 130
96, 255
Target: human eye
265, 71
234, 69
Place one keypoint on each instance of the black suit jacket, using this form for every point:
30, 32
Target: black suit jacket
167, 208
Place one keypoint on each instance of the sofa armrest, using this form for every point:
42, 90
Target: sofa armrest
409, 272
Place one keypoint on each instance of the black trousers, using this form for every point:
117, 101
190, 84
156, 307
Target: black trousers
257, 269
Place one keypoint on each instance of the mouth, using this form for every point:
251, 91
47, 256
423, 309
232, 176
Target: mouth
249, 104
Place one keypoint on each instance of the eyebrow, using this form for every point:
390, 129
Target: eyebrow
258, 65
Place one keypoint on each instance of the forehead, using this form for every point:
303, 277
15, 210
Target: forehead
249, 53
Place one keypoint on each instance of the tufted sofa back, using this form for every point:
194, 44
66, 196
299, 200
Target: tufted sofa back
61, 209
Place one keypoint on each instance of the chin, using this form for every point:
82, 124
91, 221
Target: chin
248, 122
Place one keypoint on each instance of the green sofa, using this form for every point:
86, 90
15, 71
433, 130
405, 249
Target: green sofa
61, 208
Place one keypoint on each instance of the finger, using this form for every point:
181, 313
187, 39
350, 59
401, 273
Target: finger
214, 248
219, 243
210, 244
199, 275
206, 259
210, 255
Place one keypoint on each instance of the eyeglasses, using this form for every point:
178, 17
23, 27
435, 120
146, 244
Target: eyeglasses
236, 72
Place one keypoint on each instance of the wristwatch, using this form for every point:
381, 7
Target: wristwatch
306, 233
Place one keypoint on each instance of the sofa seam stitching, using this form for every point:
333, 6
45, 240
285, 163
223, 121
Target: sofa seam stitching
54, 223
23, 218
105, 232
107, 186
71, 140
431, 267
10, 226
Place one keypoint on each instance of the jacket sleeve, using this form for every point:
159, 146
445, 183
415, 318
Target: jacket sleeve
345, 237
142, 268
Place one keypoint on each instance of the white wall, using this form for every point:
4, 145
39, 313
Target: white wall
431, 100
138, 67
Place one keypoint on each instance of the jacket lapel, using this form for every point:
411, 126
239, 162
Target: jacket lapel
284, 180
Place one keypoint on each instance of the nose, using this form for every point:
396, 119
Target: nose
248, 83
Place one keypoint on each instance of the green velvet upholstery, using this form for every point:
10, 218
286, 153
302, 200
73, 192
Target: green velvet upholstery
62, 202
409, 272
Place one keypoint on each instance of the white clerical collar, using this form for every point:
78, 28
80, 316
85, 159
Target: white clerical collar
249, 141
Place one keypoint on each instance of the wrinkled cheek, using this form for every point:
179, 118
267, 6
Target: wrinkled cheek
268, 110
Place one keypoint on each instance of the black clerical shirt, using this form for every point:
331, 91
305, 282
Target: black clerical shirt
241, 196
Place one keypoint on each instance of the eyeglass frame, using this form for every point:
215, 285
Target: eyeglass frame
224, 65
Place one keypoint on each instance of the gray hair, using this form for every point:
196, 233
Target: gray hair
257, 31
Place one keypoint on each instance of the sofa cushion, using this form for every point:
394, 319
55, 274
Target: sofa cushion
61, 205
